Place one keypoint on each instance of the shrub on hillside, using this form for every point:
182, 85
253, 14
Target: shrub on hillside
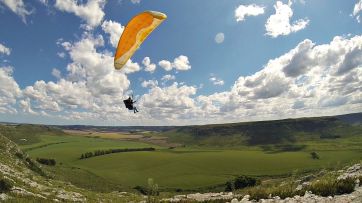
314, 155
34, 167
345, 186
257, 193
19, 155
323, 187
143, 190
229, 186
328, 186
49, 162
331, 187
282, 191
241, 182
150, 190
5, 185
244, 181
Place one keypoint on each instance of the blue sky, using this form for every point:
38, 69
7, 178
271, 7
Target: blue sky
273, 59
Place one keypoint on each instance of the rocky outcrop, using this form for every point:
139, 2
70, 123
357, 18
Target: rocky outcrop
354, 197
202, 197
354, 171
26, 183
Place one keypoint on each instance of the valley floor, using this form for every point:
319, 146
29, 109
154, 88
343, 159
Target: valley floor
191, 168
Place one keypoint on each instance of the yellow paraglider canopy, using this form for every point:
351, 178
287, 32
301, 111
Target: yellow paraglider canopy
135, 32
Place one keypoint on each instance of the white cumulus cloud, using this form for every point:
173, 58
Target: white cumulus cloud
149, 83
44, 2
216, 81
90, 89
4, 50
9, 90
243, 11
91, 11
169, 103
356, 10
136, 1
149, 67
18, 7
279, 23
168, 77
56, 73
165, 65
25, 105
180, 63
114, 30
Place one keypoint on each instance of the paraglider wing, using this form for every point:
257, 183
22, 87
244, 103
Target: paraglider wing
135, 32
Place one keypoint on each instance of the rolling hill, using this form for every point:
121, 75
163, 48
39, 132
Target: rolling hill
268, 132
209, 156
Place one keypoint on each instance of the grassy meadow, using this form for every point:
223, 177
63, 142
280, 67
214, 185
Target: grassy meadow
190, 168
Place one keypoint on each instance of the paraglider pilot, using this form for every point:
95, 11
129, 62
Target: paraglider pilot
129, 104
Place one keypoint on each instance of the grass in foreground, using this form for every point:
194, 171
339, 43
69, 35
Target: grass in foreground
324, 186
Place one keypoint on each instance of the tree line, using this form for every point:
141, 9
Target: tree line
110, 151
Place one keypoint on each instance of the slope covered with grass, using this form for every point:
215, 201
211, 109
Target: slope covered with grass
24, 180
27, 133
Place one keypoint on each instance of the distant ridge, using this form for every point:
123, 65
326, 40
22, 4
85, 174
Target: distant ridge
353, 118
285, 131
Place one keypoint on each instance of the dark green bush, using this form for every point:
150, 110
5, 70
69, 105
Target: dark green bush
244, 181
19, 155
240, 182
143, 190
34, 167
345, 186
229, 186
314, 155
5, 185
49, 162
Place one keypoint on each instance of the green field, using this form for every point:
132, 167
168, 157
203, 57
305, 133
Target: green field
67, 149
190, 168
